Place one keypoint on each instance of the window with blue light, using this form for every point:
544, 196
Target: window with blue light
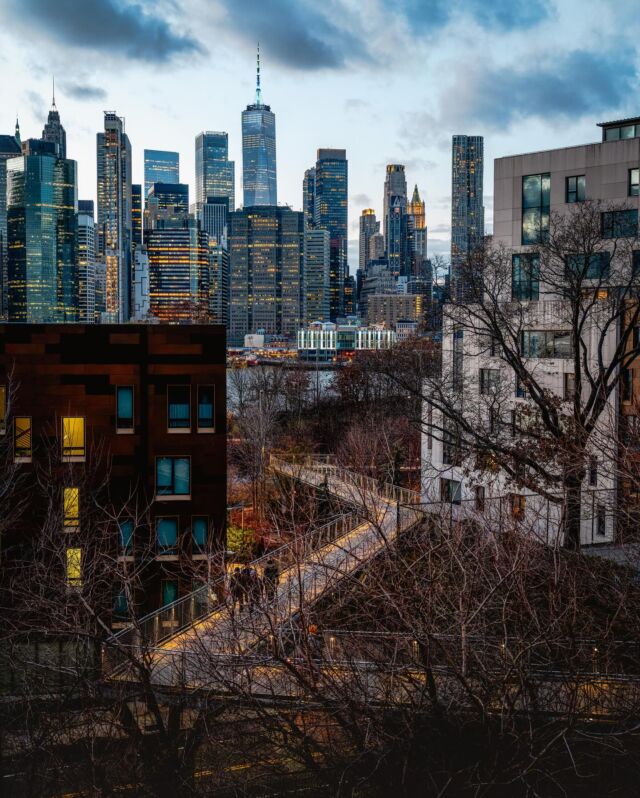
124, 407
199, 530
167, 535
173, 476
126, 535
169, 592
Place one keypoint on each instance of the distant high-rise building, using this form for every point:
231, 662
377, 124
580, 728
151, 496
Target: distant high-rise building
349, 295
309, 196
213, 217
9, 148
87, 206
179, 274
399, 237
467, 210
114, 216
315, 283
331, 213
266, 250
136, 214
215, 173
41, 234
160, 166
417, 214
395, 185
369, 226
86, 250
53, 130
218, 283
167, 206
259, 151
141, 298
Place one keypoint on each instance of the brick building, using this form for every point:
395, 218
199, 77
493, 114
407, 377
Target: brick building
133, 419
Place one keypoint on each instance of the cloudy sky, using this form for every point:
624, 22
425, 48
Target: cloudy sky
388, 81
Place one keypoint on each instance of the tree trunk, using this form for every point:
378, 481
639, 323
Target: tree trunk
572, 513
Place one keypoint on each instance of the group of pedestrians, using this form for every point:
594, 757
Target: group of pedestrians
249, 589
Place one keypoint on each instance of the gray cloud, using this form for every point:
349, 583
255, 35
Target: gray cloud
37, 105
355, 104
569, 86
83, 91
295, 33
363, 200
115, 27
429, 16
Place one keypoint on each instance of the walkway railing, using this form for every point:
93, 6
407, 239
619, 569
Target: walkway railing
168, 621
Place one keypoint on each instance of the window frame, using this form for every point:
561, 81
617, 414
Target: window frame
74, 458
169, 551
199, 548
488, 381
168, 582
593, 472
124, 429
449, 494
212, 428
184, 430
542, 208
548, 340
73, 559
575, 191
22, 457
70, 523
531, 272
126, 549
568, 394
633, 185
172, 496
611, 222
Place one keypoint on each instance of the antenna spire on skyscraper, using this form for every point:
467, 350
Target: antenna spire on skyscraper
53, 93
258, 91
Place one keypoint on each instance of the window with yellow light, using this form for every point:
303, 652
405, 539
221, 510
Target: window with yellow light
23, 440
71, 508
74, 567
73, 438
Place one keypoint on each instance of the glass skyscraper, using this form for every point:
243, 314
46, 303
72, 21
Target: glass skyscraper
266, 249
160, 166
467, 210
114, 216
41, 232
215, 173
86, 250
331, 213
259, 152
9, 148
179, 273
167, 206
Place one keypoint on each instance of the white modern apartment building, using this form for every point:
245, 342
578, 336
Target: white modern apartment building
529, 190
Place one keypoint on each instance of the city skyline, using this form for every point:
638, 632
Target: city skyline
357, 91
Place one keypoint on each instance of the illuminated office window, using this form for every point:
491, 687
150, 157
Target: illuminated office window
23, 438
73, 438
173, 477
74, 567
71, 508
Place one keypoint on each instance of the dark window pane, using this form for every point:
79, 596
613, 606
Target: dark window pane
199, 530
126, 534
205, 407
124, 407
179, 411
627, 132
167, 534
164, 475
169, 592
612, 134
634, 182
182, 480
582, 188
546, 190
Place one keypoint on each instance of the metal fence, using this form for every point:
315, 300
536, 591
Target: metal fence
170, 620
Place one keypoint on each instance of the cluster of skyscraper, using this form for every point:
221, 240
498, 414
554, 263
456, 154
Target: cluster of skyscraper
150, 254
394, 274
